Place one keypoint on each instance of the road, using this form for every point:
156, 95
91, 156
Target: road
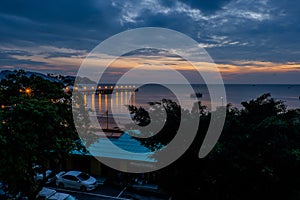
107, 193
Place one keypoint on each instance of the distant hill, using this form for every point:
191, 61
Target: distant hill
66, 80
4, 73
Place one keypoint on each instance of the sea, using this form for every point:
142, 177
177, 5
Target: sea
115, 106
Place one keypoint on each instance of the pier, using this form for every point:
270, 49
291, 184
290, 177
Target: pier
105, 88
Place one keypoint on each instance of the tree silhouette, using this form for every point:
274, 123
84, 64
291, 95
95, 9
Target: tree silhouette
36, 126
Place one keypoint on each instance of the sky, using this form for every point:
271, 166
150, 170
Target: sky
254, 41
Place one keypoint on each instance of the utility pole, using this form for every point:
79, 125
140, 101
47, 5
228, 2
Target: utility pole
222, 101
106, 119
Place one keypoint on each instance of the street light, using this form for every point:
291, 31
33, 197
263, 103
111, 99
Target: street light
27, 90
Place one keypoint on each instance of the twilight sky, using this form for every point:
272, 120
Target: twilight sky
254, 41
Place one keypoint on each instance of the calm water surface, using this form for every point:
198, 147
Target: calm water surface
117, 102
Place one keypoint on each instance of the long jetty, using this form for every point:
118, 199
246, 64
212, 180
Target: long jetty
104, 88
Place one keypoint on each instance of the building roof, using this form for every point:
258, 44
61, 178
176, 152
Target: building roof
124, 147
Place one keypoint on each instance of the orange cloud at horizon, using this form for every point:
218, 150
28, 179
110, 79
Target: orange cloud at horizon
237, 67
160, 63
244, 67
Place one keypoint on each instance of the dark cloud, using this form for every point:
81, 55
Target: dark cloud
72, 23
151, 52
207, 6
66, 11
265, 30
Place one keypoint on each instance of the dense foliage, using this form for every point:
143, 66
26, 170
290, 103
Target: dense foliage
36, 126
257, 156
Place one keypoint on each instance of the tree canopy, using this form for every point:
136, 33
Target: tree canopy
257, 155
36, 126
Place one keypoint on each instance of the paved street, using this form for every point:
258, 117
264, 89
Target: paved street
107, 193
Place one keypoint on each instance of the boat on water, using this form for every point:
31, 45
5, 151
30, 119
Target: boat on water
197, 94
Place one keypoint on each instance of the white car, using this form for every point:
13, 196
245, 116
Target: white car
49, 194
76, 180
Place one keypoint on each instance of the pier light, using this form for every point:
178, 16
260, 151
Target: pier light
111, 87
76, 88
105, 87
2, 106
129, 86
134, 86
93, 87
99, 87
117, 87
125, 86
84, 87
121, 86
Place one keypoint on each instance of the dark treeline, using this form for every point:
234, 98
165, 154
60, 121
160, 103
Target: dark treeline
256, 157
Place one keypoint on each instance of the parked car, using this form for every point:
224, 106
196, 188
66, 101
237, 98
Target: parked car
76, 180
39, 175
49, 194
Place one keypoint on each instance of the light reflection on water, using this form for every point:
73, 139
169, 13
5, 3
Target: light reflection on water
119, 100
